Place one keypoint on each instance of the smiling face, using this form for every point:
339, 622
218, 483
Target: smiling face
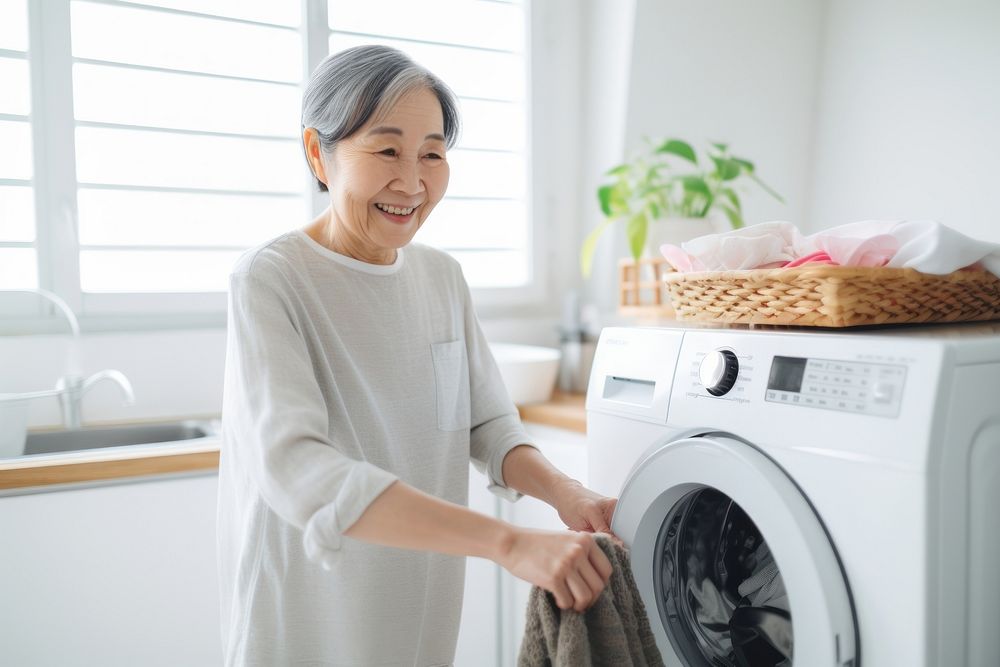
385, 179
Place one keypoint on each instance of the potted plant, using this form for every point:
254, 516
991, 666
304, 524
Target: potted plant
650, 192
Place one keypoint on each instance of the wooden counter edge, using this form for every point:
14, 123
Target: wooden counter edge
25, 474
561, 411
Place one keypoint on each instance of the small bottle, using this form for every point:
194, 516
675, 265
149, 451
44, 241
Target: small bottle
577, 344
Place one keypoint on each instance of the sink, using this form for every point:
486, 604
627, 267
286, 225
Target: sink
77, 439
528, 371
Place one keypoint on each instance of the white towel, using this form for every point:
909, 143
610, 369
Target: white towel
924, 245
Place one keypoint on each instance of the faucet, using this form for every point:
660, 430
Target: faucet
71, 387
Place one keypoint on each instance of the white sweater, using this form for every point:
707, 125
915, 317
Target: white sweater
341, 377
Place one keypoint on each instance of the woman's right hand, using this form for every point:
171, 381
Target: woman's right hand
570, 565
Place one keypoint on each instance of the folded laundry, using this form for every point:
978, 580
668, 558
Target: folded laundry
613, 631
924, 245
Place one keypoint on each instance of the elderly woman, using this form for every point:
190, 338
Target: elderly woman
358, 386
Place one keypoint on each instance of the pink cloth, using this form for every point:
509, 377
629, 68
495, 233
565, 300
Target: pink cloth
923, 245
818, 257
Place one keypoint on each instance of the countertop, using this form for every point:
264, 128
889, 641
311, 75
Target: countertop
84, 468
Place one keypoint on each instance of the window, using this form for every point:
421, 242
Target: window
478, 49
184, 157
18, 254
175, 160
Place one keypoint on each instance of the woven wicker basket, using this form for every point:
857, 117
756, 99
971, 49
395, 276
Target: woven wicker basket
833, 296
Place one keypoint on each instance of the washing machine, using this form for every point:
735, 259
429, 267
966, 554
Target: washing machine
806, 497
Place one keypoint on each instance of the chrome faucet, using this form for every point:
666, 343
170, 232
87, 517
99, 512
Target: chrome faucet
71, 387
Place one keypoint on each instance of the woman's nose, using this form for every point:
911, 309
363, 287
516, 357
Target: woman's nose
408, 179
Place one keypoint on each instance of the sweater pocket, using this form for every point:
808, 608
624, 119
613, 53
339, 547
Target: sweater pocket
451, 380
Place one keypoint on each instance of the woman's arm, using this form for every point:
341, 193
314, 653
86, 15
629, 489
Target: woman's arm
406, 517
527, 470
570, 565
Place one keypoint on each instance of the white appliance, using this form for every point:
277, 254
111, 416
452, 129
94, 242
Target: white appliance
865, 466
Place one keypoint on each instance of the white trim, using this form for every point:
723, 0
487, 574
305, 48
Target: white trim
200, 191
186, 72
413, 40
186, 12
53, 140
97, 305
316, 47
183, 130
136, 247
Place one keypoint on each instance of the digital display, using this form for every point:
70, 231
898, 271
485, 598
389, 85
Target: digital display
786, 374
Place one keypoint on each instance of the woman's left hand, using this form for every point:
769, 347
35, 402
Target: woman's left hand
583, 509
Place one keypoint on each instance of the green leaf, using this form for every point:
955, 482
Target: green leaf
721, 147
636, 230
679, 148
731, 195
604, 196
589, 245
618, 199
617, 171
727, 168
695, 184
735, 219
746, 164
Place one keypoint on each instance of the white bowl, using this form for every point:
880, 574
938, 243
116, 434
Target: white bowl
528, 371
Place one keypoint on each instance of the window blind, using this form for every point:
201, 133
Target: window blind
478, 48
184, 156
18, 252
178, 139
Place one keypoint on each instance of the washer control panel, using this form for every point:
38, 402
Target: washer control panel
851, 386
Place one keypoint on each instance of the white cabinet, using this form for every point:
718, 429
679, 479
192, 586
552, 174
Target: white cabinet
478, 637
567, 450
112, 575
493, 614
126, 574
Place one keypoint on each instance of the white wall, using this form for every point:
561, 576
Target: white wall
731, 71
173, 373
850, 109
909, 104
743, 73
601, 112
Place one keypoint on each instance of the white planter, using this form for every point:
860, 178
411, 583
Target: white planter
675, 231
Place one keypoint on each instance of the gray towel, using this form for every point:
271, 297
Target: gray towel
614, 631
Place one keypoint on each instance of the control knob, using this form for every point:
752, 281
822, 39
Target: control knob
718, 372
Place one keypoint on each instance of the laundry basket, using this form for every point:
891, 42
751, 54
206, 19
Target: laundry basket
821, 295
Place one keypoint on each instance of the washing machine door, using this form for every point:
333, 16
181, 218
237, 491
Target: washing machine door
732, 563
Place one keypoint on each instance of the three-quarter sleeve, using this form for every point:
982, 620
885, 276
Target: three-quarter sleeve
496, 424
280, 423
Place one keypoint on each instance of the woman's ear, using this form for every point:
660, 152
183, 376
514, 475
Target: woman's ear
314, 153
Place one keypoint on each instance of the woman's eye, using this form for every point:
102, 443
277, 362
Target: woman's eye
391, 152
434, 156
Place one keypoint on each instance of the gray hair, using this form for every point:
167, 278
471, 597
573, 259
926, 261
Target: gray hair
351, 86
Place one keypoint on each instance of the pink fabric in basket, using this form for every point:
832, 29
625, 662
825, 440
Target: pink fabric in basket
923, 245
818, 257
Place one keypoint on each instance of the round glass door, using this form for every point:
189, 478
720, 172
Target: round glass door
733, 565
723, 594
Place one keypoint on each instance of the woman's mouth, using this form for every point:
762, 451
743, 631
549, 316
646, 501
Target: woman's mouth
397, 214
